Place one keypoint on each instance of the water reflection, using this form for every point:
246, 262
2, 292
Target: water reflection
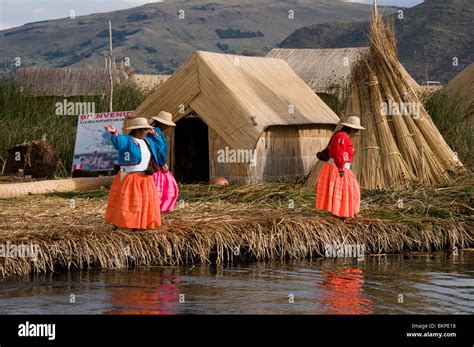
137, 297
429, 283
343, 293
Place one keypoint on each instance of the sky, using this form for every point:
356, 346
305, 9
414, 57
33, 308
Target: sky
401, 3
15, 13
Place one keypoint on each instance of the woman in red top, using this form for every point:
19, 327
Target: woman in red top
338, 190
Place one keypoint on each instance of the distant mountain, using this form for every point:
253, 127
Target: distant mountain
158, 37
434, 34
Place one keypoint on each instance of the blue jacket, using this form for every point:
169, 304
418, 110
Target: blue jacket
129, 150
160, 144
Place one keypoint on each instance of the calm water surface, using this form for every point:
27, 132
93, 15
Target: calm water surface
436, 283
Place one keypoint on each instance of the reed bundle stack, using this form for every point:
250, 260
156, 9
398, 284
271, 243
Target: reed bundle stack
401, 143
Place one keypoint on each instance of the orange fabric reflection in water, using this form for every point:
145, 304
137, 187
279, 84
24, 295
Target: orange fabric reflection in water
142, 300
343, 293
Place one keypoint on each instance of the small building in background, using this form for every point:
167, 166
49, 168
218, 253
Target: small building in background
148, 83
326, 70
68, 82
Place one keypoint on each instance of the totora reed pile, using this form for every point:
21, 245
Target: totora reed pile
400, 144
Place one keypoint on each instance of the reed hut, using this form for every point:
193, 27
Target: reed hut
326, 70
461, 86
249, 119
66, 82
401, 143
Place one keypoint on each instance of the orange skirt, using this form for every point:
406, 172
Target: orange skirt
338, 195
134, 203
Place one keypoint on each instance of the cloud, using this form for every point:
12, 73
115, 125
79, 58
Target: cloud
40, 12
401, 3
19, 12
15, 13
6, 25
141, 2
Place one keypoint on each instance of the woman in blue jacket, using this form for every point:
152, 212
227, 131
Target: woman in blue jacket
164, 180
133, 198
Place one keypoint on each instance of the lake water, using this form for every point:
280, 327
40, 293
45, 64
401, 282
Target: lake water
438, 283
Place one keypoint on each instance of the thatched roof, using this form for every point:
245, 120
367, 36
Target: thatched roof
462, 85
396, 147
325, 70
148, 82
239, 97
46, 81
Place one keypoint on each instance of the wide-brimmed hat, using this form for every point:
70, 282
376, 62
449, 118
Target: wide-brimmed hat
353, 122
165, 118
138, 123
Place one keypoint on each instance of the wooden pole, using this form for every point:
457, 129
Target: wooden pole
110, 69
426, 74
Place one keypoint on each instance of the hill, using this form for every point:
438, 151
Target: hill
158, 37
433, 34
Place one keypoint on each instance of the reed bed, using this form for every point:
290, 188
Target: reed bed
29, 118
218, 225
454, 117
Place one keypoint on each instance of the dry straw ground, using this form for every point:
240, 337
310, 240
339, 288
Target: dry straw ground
232, 224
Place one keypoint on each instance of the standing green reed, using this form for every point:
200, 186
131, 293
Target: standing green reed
454, 118
336, 100
25, 118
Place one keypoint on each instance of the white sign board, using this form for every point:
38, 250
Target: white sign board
93, 150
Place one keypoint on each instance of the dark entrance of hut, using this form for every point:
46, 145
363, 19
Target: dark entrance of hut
191, 156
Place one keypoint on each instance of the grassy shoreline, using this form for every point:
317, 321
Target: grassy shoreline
233, 224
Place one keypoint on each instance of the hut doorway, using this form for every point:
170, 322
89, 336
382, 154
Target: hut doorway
191, 150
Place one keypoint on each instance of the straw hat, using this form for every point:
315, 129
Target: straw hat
165, 118
138, 123
353, 122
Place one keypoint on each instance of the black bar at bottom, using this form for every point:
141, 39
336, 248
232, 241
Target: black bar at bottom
415, 330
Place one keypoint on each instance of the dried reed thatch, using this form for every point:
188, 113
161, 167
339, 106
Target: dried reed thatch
282, 153
11, 190
327, 70
238, 96
395, 148
462, 85
46, 81
36, 158
218, 225
254, 104
425, 92
148, 82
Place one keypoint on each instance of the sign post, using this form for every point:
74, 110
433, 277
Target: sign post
93, 150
